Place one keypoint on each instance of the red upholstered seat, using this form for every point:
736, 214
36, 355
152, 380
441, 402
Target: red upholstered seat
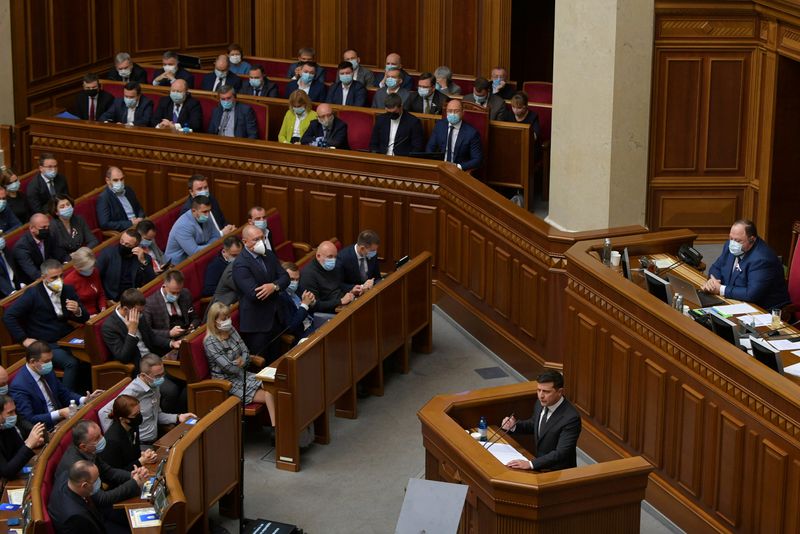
359, 127
262, 118
207, 103
794, 281
115, 89
541, 92
281, 82
86, 207
273, 68
545, 112
283, 247
164, 223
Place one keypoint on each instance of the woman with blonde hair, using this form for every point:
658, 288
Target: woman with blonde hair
85, 278
228, 358
297, 118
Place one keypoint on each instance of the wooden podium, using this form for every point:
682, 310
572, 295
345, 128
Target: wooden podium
604, 497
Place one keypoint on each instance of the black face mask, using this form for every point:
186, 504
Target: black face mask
135, 422
91, 92
394, 115
125, 252
43, 234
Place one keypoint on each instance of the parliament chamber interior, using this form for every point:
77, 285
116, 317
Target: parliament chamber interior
467, 266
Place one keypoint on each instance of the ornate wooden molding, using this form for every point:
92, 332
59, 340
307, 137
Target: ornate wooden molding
725, 28
723, 384
789, 38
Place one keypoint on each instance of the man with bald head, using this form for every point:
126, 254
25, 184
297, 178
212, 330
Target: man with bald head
221, 76
117, 206
394, 62
327, 130
259, 278
34, 247
323, 278
178, 109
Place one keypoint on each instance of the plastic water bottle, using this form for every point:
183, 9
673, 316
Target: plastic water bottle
607, 252
73, 408
482, 429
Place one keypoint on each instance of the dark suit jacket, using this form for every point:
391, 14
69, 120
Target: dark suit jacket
496, 106
121, 485
326, 285
257, 315
759, 278
232, 79
110, 263
292, 316
556, 446
8, 221
316, 92
6, 267
118, 112
14, 454
268, 88
214, 271
409, 137
319, 76
467, 151
125, 348
351, 272
182, 74
32, 315
138, 74
80, 108
191, 113
83, 236
245, 124
439, 102
110, 213
215, 210
28, 260
356, 95
30, 401
70, 514
226, 290
157, 318
531, 118
38, 194
336, 138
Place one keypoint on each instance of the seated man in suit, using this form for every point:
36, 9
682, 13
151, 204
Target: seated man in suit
480, 95
221, 76
132, 108
117, 206
499, 85
146, 387
8, 221
426, 99
9, 280
92, 102
71, 507
391, 86
395, 62
169, 312
460, 142
198, 187
38, 394
259, 84
444, 81
125, 265
360, 74
347, 91
232, 118
34, 247
396, 132
172, 71
128, 337
555, 424
258, 277
323, 278
359, 263
18, 438
327, 130
46, 185
295, 305
308, 83
748, 270
178, 109
231, 247
125, 70
305, 55
192, 232
148, 232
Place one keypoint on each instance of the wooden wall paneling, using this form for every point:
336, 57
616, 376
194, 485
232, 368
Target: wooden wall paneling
726, 121
476, 264
400, 236
494, 37
450, 259
373, 214
432, 37
244, 24
529, 296
338, 372
73, 42
462, 37
177, 186
730, 452
677, 122
616, 396
711, 429
154, 26
276, 196
297, 215
421, 219
690, 440
349, 227
207, 24
360, 29
464, 259
672, 418
87, 177
37, 21
501, 281
653, 412
302, 19
321, 211
137, 179
772, 473
402, 30
329, 41
584, 336
266, 32
705, 209
228, 194
364, 333
793, 499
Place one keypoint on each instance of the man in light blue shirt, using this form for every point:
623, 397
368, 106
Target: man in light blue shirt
193, 231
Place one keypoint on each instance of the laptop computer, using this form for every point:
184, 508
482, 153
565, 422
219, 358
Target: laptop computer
691, 293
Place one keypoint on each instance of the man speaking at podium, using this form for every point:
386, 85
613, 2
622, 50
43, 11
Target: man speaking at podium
555, 426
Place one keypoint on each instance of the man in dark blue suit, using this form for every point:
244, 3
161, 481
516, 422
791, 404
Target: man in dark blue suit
315, 89
172, 71
294, 305
231, 248
44, 313
259, 84
232, 118
221, 76
132, 108
34, 247
259, 278
117, 206
305, 55
8, 221
125, 265
178, 108
326, 130
92, 102
198, 187
748, 270
460, 142
359, 262
9, 280
396, 133
347, 91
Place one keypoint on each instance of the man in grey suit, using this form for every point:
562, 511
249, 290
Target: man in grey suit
392, 81
482, 96
360, 74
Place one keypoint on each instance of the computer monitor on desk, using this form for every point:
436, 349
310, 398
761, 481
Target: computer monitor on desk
625, 263
724, 328
767, 354
658, 287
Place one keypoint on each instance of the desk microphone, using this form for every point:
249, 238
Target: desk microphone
492, 439
669, 268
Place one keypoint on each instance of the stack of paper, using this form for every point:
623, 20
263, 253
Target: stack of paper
503, 452
760, 319
793, 370
15, 495
267, 373
785, 344
734, 309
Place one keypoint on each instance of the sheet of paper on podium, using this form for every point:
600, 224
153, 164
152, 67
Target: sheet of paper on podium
503, 452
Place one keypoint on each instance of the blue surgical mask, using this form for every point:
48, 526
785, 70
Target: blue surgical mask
299, 111
496, 82
479, 99
371, 254
101, 445
453, 118
354, 63
97, 485
391, 82
346, 79
67, 212
261, 225
145, 243
170, 298
226, 104
118, 187
423, 91
220, 73
10, 422
177, 96
4, 390
86, 272
438, 86
293, 286
50, 173
157, 382
46, 369
255, 82
307, 77
735, 248
130, 102
13, 186
202, 193
2, 243
329, 264
203, 218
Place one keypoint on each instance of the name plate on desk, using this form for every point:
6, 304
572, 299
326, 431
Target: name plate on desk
144, 517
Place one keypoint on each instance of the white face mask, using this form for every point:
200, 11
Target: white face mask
260, 248
225, 325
